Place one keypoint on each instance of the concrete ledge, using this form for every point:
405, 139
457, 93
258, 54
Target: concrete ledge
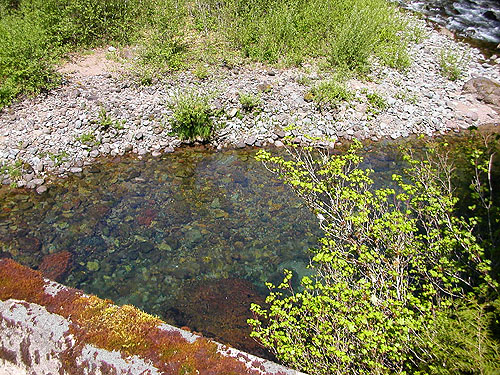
47, 328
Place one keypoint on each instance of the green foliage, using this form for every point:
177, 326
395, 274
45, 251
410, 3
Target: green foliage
26, 58
88, 139
201, 72
171, 33
58, 158
376, 102
13, 170
450, 64
462, 340
249, 101
192, 118
331, 93
162, 46
348, 32
390, 260
407, 96
106, 121
36, 33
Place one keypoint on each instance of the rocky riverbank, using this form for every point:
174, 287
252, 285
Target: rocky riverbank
62, 131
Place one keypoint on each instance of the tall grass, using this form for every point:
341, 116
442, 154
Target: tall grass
347, 32
172, 33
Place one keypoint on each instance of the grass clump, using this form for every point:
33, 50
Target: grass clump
347, 32
330, 93
376, 102
249, 101
106, 121
450, 65
192, 118
88, 139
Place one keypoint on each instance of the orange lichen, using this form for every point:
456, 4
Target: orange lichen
127, 329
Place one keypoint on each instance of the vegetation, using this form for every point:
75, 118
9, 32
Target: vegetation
192, 118
173, 34
376, 103
391, 271
88, 139
106, 121
450, 64
330, 93
13, 170
249, 102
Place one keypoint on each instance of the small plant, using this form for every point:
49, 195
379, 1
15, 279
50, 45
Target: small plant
201, 72
304, 80
59, 158
331, 92
450, 65
249, 101
106, 121
13, 170
192, 118
88, 139
407, 96
376, 102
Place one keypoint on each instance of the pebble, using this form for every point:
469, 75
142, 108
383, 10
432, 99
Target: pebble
41, 189
37, 130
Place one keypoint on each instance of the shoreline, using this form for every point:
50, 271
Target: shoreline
58, 133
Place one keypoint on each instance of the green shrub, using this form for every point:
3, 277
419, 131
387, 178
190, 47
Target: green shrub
192, 118
450, 65
162, 47
331, 93
391, 261
462, 340
26, 59
249, 101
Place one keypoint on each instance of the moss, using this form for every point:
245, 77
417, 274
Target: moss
100, 323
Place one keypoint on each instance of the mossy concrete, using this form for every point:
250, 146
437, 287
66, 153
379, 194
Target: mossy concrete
47, 328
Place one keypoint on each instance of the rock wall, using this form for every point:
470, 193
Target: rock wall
47, 328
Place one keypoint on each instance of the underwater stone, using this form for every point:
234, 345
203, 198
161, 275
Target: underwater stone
93, 266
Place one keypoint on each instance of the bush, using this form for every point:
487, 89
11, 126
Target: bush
331, 93
462, 340
192, 118
26, 59
162, 46
450, 65
249, 102
36, 33
391, 261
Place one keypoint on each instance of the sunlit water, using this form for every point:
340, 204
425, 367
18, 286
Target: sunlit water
191, 236
478, 19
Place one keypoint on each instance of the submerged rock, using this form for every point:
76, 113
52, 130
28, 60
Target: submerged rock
56, 266
220, 308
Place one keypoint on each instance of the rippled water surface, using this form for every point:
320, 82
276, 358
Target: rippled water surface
478, 19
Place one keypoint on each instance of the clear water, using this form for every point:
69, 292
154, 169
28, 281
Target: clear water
191, 236
148, 232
